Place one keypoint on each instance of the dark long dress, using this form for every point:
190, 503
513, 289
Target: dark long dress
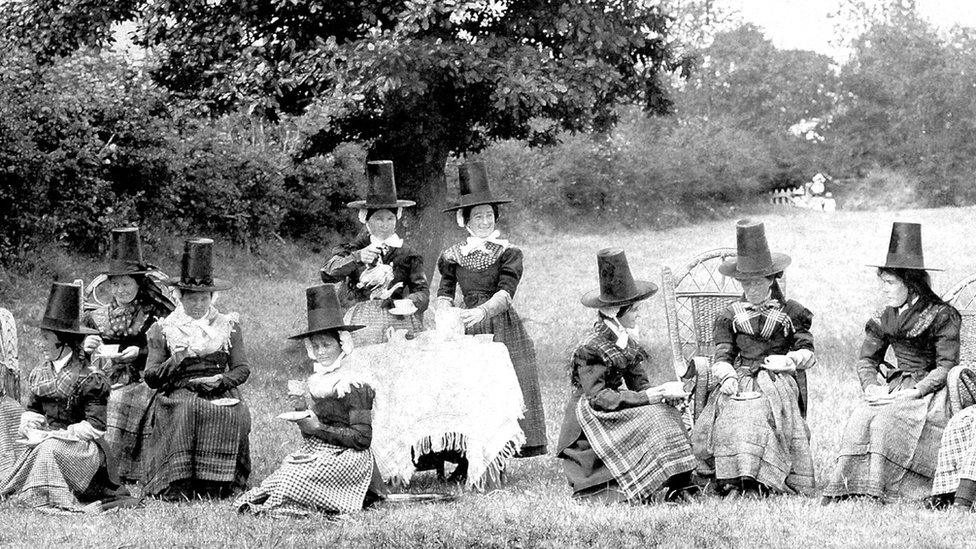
640, 447
891, 451
345, 268
480, 275
130, 397
196, 446
764, 439
341, 478
61, 473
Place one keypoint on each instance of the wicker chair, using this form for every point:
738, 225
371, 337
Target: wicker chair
962, 296
9, 364
693, 297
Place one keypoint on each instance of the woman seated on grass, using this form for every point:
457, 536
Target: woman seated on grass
67, 462
376, 269
620, 438
334, 471
889, 448
198, 443
751, 434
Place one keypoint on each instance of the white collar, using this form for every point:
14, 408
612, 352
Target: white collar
392, 241
477, 243
61, 362
618, 330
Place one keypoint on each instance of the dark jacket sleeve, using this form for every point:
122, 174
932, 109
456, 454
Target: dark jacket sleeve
591, 370
416, 283
945, 333
723, 335
93, 396
802, 321
238, 370
872, 353
160, 365
510, 270
635, 376
448, 270
359, 434
343, 261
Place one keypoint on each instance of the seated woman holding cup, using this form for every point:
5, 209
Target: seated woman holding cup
334, 471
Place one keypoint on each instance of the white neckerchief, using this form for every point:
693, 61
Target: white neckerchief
199, 336
393, 241
623, 337
477, 243
59, 363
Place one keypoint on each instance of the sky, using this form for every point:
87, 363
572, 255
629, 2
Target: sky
804, 24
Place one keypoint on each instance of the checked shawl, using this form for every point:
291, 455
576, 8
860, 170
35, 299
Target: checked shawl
642, 446
763, 320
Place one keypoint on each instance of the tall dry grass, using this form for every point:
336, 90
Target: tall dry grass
829, 275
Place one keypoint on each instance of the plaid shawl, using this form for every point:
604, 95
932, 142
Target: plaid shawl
764, 319
643, 446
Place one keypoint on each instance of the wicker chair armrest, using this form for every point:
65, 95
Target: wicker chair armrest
953, 388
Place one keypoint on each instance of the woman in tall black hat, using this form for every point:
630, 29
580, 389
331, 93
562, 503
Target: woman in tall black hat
199, 422
120, 348
890, 444
751, 434
381, 279
487, 270
621, 439
67, 462
334, 471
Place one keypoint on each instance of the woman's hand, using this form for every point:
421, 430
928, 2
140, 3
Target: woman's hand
309, 425
876, 391
779, 364
91, 343
84, 431
207, 384
730, 386
368, 254
128, 354
29, 421
907, 394
470, 317
803, 358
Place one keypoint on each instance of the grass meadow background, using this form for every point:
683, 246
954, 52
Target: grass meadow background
828, 274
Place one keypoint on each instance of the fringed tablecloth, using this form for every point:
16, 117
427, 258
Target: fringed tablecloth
434, 395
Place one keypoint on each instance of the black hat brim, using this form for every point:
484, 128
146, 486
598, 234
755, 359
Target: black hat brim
364, 205
218, 285
489, 201
913, 267
81, 330
341, 327
730, 267
645, 289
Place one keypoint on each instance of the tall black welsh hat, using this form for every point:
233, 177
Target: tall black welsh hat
617, 284
196, 269
905, 248
753, 258
324, 312
474, 188
381, 188
125, 253
63, 311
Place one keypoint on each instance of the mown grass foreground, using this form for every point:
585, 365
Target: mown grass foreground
829, 275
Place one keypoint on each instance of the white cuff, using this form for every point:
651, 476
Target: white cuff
803, 358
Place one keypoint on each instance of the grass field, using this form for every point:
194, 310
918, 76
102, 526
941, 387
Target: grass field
828, 275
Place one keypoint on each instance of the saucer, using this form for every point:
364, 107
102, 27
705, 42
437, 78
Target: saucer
297, 415
298, 459
747, 395
225, 401
406, 311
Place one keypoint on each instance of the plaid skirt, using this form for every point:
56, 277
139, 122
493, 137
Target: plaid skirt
957, 454
53, 474
127, 429
891, 451
10, 450
765, 439
193, 440
377, 319
508, 329
641, 447
335, 481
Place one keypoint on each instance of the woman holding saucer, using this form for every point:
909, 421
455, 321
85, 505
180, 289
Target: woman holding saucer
377, 273
890, 444
334, 471
751, 434
67, 462
488, 270
621, 439
198, 444
137, 303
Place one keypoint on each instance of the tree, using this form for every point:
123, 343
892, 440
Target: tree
417, 79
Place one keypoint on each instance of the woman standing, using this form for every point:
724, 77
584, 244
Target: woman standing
751, 433
198, 444
890, 443
67, 462
382, 280
620, 439
334, 470
488, 270
137, 303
